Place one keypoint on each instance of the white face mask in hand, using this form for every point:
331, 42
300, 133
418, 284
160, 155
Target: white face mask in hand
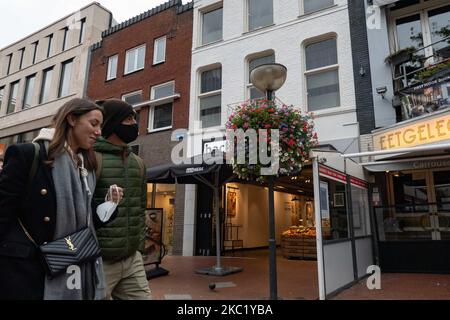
107, 208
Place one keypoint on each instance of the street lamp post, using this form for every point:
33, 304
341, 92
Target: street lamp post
269, 78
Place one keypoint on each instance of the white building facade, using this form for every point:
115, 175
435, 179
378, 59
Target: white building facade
39, 73
314, 46
311, 38
410, 72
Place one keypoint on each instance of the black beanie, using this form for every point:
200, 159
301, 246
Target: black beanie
115, 112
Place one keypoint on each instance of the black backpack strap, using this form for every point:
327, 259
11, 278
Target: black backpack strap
34, 164
99, 158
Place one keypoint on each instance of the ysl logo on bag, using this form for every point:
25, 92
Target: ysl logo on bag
70, 244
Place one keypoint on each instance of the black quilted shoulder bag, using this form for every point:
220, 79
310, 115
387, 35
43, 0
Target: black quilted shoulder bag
74, 249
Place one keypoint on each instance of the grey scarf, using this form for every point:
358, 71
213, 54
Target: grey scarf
73, 212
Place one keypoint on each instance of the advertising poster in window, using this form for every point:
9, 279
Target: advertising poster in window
426, 98
231, 203
153, 236
324, 207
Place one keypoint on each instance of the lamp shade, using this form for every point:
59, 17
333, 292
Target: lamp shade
268, 77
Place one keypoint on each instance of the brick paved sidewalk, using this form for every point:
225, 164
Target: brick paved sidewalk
297, 280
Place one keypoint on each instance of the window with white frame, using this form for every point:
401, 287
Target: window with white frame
322, 75
35, 46
14, 89
49, 45
29, 90
8, 69
159, 51
316, 5
82, 30
2, 93
411, 30
212, 26
254, 62
135, 59
133, 97
65, 39
211, 97
46, 85
161, 111
66, 76
112, 68
260, 13
22, 53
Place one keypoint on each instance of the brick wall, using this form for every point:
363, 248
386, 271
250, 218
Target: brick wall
155, 148
178, 29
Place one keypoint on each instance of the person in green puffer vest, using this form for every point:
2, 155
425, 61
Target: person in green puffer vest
122, 240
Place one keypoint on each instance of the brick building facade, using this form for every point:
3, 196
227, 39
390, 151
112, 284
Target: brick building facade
147, 61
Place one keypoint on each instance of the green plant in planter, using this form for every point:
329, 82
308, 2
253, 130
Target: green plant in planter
433, 70
400, 56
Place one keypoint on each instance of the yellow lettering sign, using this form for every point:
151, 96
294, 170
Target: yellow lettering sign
428, 131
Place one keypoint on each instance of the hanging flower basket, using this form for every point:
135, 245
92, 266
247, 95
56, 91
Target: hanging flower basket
296, 136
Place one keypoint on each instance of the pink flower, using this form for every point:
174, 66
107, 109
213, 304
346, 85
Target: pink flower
291, 142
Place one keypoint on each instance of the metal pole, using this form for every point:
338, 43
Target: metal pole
272, 241
216, 209
272, 245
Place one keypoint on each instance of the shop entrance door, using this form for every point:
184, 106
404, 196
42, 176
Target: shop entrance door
414, 231
440, 217
421, 203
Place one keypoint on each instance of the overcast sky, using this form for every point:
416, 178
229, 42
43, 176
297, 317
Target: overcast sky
19, 18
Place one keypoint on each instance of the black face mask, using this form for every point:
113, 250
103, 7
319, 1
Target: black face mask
127, 133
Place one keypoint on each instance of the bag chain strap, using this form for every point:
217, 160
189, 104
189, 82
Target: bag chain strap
27, 234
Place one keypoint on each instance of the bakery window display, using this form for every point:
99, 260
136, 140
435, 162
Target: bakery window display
299, 242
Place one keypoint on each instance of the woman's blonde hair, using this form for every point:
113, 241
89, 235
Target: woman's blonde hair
75, 107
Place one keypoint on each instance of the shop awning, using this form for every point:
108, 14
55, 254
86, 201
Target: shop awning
422, 157
195, 170
408, 164
404, 151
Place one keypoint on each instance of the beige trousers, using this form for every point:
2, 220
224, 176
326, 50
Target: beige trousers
126, 279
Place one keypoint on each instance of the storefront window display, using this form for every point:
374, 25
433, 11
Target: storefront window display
163, 196
299, 241
333, 209
360, 208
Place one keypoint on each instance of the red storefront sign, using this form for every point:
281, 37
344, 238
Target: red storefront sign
335, 175
332, 174
358, 183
